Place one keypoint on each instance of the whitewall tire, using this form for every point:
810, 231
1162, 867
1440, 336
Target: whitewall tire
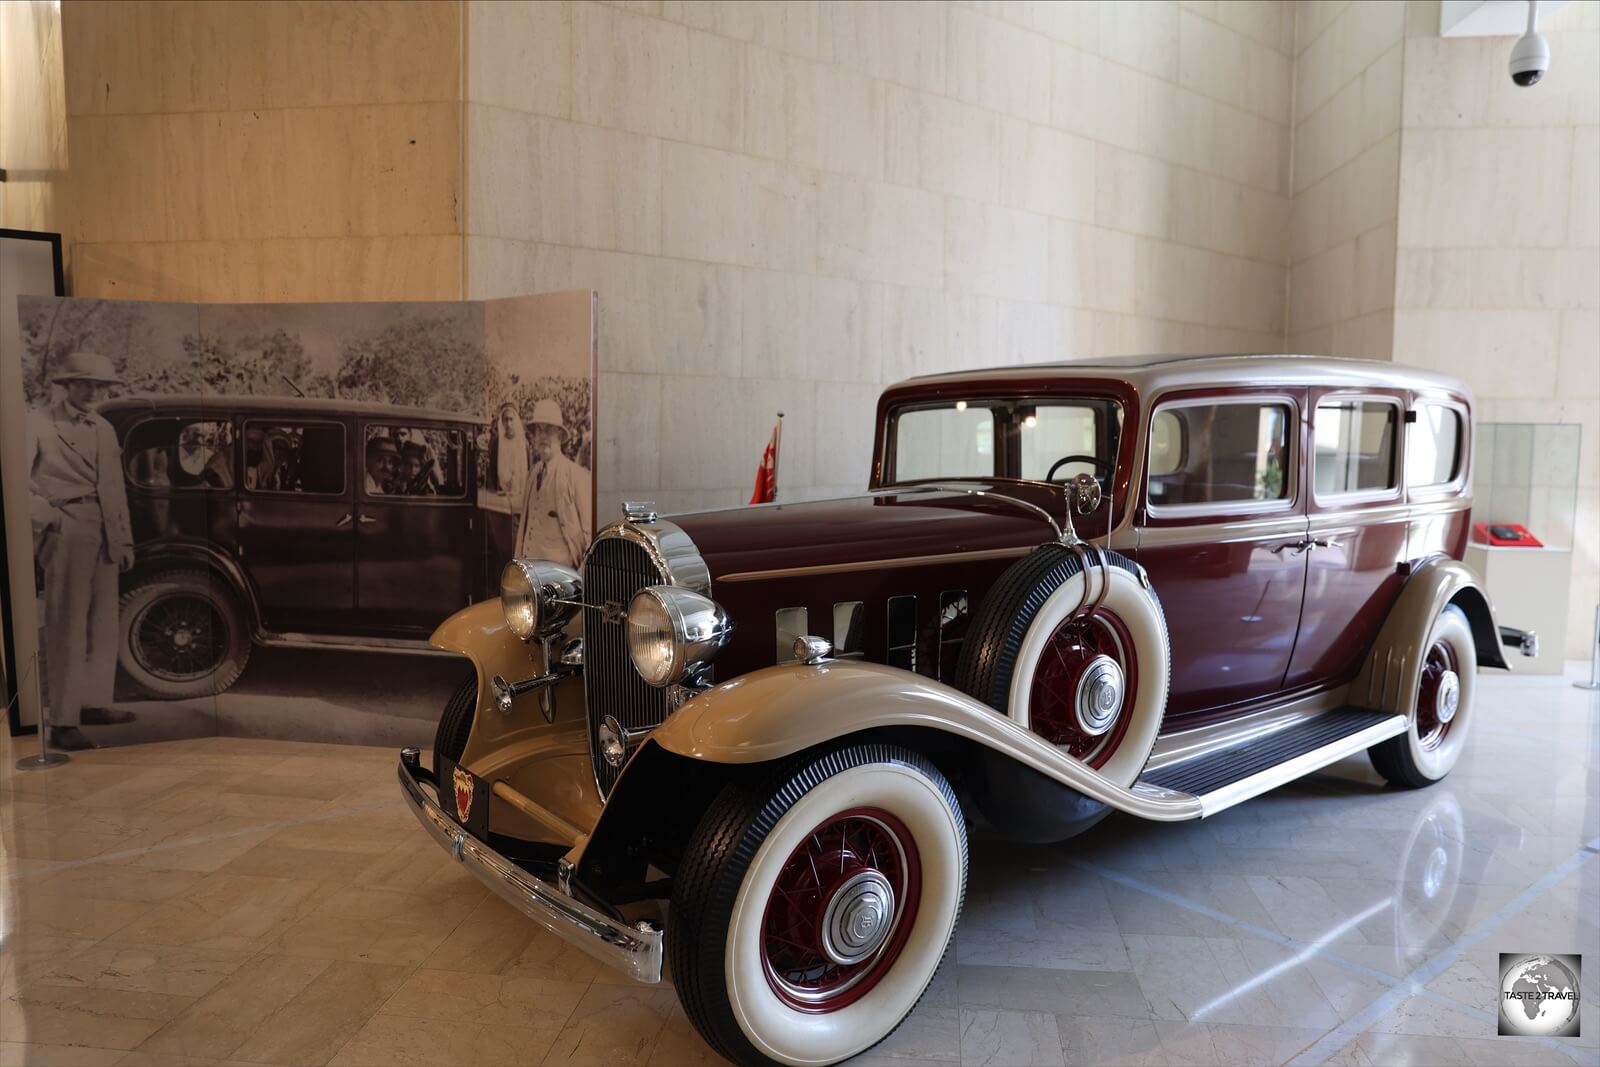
1437, 733
814, 905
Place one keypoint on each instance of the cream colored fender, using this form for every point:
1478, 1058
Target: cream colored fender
1390, 675
777, 711
500, 742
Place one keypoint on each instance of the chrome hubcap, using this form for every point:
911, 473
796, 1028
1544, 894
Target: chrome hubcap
1448, 698
858, 917
1099, 697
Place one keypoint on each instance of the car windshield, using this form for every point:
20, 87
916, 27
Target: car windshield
1002, 437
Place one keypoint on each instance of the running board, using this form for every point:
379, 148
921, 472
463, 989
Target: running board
1225, 777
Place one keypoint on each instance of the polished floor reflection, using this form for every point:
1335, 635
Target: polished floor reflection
260, 902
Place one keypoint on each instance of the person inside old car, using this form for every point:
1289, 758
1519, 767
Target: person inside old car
417, 470
383, 466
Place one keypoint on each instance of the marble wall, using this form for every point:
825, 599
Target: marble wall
1347, 74
260, 151
1498, 259
786, 206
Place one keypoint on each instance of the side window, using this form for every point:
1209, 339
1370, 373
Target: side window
1225, 453
414, 461
1355, 441
180, 454
294, 457
946, 442
1433, 446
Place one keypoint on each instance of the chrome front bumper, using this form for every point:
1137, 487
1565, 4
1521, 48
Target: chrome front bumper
635, 950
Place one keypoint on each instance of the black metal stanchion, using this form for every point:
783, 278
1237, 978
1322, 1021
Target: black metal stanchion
45, 759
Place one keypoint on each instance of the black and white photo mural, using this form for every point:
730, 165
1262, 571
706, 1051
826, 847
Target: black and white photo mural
248, 519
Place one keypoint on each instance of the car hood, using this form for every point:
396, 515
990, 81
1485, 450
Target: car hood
861, 529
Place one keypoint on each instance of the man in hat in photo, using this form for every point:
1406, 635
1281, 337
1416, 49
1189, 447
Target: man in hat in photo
556, 512
81, 538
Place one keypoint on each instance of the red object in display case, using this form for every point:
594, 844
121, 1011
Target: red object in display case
1505, 535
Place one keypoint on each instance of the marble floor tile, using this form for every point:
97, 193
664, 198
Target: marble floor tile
235, 901
102, 1018
176, 970
401, 1041
328, 1012
219, 1022
1010, 1039
28, 1054
543, 1003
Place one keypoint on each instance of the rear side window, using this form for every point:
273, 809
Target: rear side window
1433, 446
294, 457
1355, 443
1222, 453
180, 454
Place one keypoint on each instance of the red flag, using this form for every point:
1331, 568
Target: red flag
766, 490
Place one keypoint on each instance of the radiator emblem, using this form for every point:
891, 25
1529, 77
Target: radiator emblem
463, 784
613, 613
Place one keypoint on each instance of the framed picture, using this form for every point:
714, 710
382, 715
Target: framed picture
30, 265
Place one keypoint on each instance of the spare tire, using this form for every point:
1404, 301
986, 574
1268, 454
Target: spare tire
1093, 683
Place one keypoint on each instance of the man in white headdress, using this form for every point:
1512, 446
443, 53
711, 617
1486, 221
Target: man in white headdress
510, 452
81, 538
556, 512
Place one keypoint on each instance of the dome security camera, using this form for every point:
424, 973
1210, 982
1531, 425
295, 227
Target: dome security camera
1530, 57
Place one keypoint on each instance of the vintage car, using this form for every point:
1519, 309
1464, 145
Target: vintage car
286, 521
746, 745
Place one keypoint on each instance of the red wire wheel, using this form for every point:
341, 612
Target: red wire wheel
841, 910
1439, 680
1052, 702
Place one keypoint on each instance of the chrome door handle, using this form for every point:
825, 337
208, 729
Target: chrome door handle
366, 520
344, 520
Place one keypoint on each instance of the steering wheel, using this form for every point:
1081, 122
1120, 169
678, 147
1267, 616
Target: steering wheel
1094, 461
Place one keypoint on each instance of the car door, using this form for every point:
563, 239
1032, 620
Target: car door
1221, 527
1358, 530
296, 535
415, 523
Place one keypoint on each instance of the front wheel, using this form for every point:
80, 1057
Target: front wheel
814, 904
1437, 732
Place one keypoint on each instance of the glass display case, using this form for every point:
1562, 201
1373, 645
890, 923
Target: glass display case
1525, 475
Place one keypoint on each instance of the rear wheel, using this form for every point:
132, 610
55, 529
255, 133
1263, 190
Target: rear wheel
814, 904
1437, 733
184, 635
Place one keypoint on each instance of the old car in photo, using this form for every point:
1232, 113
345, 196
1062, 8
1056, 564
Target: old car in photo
292, 521
744, 747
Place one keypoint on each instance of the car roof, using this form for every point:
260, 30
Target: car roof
1153, 374
287, 406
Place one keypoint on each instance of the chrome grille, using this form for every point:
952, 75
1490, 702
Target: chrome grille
615, 570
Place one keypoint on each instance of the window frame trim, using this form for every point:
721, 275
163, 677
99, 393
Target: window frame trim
467, 496
344, 439
185, 490
1287, 503
1387, 494
1438, 490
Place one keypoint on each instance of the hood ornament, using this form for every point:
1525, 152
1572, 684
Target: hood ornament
642, 511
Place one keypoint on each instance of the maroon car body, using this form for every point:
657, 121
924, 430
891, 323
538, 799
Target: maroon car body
1152, 586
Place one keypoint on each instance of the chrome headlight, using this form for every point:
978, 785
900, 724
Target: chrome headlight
674, 633
538, 596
